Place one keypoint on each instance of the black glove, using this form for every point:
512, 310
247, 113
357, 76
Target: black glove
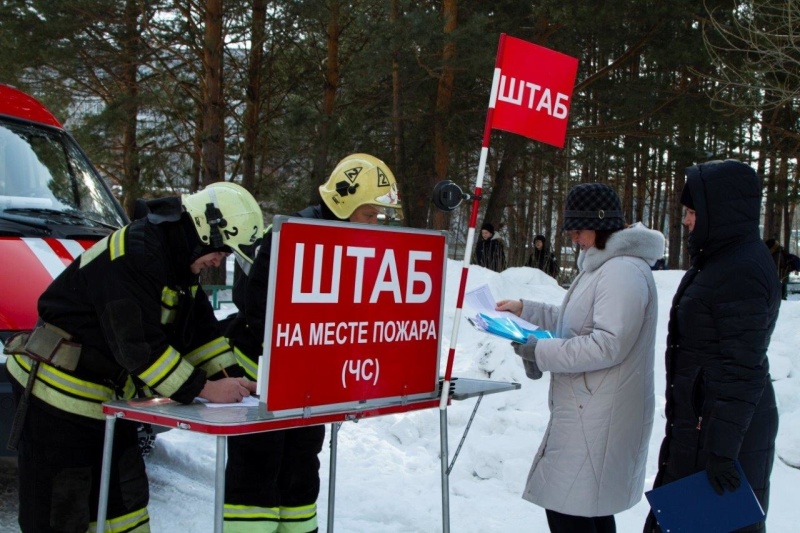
528, 353
722, 474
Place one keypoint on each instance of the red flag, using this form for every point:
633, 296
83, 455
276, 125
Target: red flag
533, 91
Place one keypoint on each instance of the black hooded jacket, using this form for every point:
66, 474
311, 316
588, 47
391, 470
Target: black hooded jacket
719, 396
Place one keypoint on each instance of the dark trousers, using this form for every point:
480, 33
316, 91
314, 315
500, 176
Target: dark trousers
274, 469
564, 523
60, 460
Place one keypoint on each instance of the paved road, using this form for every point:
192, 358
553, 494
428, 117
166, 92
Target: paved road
8, 495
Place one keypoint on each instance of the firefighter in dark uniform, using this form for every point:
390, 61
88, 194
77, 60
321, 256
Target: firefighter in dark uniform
127, 314
272, 479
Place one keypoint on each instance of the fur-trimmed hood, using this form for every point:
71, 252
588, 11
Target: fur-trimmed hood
636, 241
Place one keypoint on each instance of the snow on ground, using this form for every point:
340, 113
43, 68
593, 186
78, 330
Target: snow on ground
388, 468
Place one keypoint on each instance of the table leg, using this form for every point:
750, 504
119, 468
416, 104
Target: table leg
105, 472
219, 484
332, 475
445, 454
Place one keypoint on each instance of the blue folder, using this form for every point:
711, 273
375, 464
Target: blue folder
691, 505
507, 328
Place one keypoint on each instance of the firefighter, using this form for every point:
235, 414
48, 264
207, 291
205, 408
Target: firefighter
128, 314
272, 479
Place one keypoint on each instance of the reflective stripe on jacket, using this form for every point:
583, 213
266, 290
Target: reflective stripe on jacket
63, 391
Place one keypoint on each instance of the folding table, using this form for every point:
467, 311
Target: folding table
239, 420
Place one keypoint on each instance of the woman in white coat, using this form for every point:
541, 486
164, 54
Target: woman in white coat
591, 462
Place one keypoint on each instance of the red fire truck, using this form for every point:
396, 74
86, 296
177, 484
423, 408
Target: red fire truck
53, 205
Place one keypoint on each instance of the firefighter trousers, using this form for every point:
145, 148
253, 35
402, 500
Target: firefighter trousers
60, 462
272, 481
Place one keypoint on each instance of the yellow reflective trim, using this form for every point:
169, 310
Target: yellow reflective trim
145, 391
212, 356
297, 526
249, 512
223, 360
169, 297
250, 368
302, 519
250, 519
194, 289
176, 379
168, 316
158, 371
97, 249
169, 302
129, 390
207, 351
135, 522
117, 243
243, 526
168, 374
302, 512
173, 379
61, 380
64, 394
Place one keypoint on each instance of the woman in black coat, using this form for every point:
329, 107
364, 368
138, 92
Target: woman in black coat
720, 402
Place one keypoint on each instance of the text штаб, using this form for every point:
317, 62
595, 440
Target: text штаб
557, 109
387, 279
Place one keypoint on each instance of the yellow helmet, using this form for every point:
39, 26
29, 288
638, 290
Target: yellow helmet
225, 214
361, 179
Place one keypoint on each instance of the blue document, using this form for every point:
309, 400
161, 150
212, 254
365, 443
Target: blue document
501, 323
691, 505
507, 328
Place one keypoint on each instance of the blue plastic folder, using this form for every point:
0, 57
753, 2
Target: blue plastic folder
691, 505
507, 329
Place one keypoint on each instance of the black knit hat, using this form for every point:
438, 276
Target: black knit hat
488, 227
593, 206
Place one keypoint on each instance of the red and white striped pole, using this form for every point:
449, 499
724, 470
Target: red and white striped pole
487, 132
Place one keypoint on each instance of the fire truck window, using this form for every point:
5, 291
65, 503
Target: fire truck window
23, 174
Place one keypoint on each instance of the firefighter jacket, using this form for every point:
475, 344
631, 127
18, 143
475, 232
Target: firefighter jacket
140, 317
246, 333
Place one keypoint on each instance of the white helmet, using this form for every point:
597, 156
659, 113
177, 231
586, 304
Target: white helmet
361, 179
225, 214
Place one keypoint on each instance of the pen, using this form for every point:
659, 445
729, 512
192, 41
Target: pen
224, 373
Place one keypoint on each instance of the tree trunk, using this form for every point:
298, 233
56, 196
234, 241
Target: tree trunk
398, 145
504, 180
131, 50
213, 115
330, 86
253, 95
214, 111
444, 96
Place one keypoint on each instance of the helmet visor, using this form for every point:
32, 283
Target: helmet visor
389, 205
390, 214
